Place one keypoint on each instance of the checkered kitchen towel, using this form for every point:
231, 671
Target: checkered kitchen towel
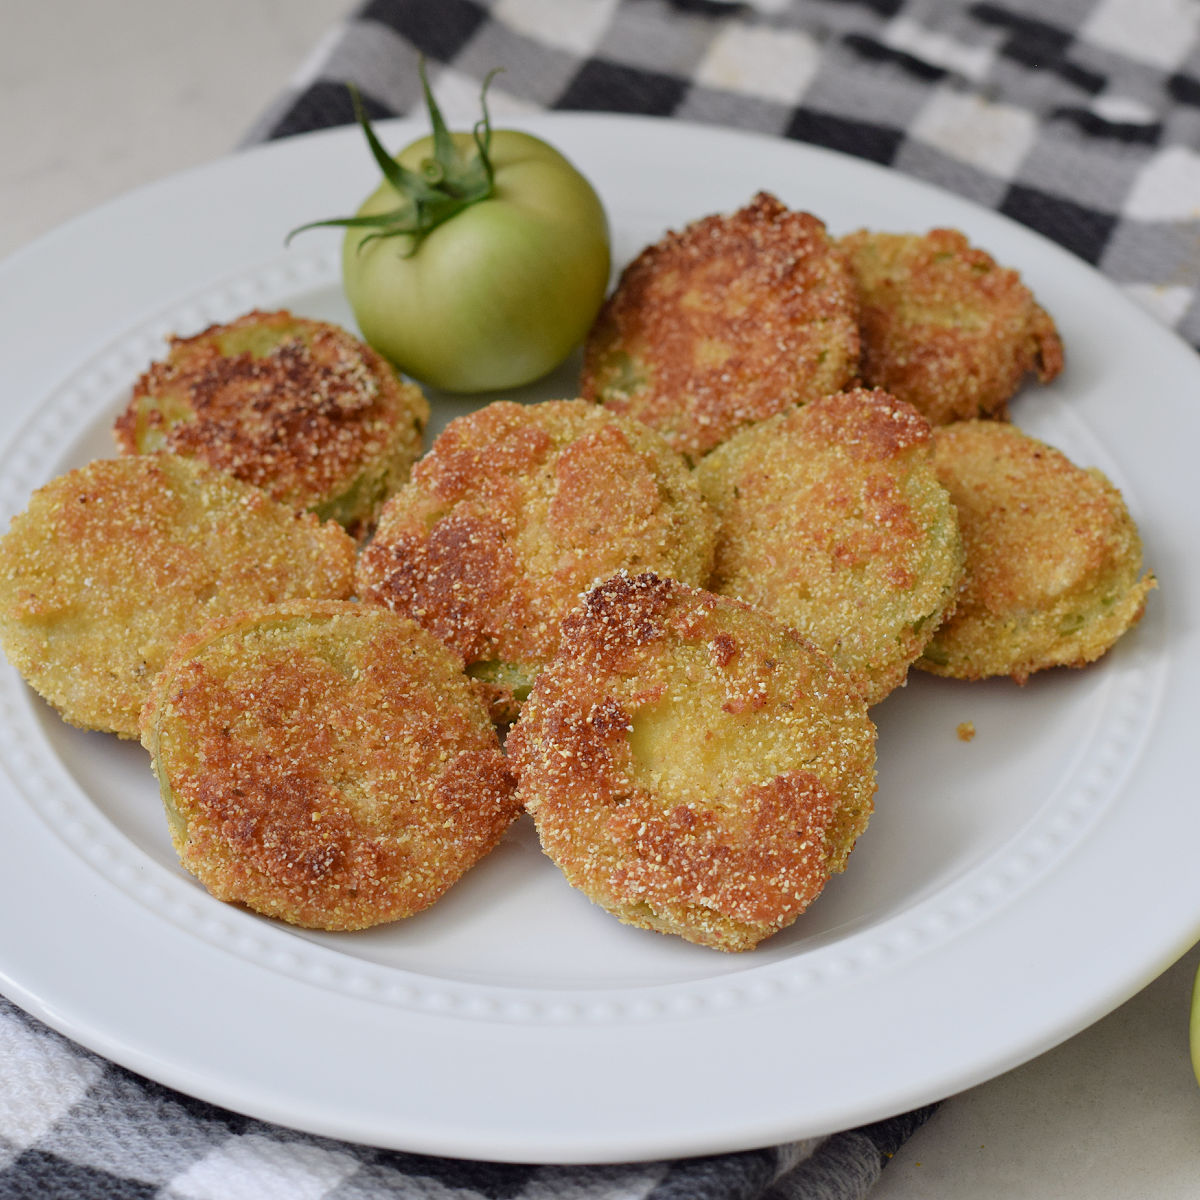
1079, 118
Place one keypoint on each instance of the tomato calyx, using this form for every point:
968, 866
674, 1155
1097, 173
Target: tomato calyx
447, 182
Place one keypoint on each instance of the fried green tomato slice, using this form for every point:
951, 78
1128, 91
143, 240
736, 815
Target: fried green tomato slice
945, 327
731, 320
112, 563
692, 765
833, 519
301, 408
1053, 557
514, 512
325, 763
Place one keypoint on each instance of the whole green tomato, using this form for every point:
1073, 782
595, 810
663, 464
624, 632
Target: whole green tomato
481, 259
498, 294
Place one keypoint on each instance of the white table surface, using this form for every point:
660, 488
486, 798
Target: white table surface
101, 97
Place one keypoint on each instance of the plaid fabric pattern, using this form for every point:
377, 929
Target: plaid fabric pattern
75, 1127
1078, 118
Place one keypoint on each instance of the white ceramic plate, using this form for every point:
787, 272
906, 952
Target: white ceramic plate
1009, 890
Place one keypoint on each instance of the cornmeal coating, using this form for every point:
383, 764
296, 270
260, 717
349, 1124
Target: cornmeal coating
945, 327
734, 319
514, 512
692, 765
112, 563
1054, 561
298, 407
325, 763
833, 519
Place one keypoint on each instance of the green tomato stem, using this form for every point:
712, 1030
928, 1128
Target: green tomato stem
446, 183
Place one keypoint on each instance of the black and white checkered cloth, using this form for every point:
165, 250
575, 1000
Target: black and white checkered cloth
1078, 118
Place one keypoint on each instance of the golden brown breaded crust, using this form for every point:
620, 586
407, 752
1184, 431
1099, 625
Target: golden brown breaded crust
112, 563
299, 407
514, 512
326, 763
692, 765
1054, 560
733, 319
833, 519
945, 327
